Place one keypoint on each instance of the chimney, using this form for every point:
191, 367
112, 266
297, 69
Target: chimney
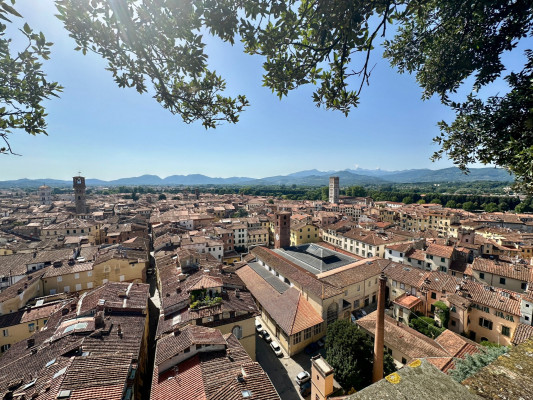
377, 373
99, 320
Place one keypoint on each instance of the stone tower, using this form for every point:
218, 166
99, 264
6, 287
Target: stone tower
334, 189
45, 195
79, 193
282, 233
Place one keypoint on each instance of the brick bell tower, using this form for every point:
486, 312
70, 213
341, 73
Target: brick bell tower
78, 183
282, 234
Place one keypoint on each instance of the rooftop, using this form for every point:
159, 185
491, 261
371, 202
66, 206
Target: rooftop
315, 258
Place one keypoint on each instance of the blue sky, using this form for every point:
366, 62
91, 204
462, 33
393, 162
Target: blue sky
107, 133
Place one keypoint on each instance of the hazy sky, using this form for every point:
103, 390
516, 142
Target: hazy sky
107, 133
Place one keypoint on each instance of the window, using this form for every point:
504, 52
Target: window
499, 314
237, 331
59, 278
122, 277
442, 259
107, 269
89, 273
66, 289
76, 276
5, 332
31, 327
402, 285
502, 281
317, 329
297, 338
78, 287
523, 285
5, 347
506, 331
89, 285
307, 334
485, 323
404, 361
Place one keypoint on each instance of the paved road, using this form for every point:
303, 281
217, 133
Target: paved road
276, 370
283, 371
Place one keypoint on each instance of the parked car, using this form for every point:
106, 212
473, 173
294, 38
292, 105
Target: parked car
259, 328
266, 336
305, 389
311, 349
275, 347
321, 342
302, 377
358, 314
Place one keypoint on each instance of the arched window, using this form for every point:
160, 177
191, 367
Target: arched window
333, 313
237, 331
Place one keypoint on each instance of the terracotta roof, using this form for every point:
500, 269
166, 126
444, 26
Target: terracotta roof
54, 363
499, 299
352, 273
187, 383
405, 274
401, 247
513, 271
456, 345
205, 282
291, 311
403, 338
66, 269
407, 301
440, 251
169, 346
213, 375
522, 333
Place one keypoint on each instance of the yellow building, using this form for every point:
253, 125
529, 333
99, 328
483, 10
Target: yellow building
257, 237
484, 313
82, 276
20, 325
18, 295
304, 232
73, 227
310, 299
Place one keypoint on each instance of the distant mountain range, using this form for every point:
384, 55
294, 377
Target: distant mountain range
305, 178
